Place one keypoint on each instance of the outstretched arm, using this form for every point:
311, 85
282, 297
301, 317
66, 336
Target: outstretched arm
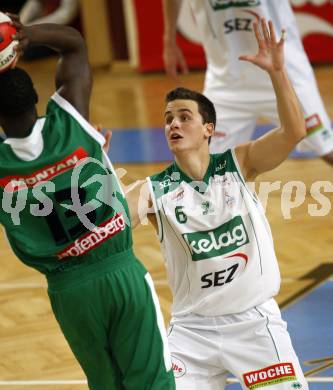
270, 150
172, 54
73, 75
139, 203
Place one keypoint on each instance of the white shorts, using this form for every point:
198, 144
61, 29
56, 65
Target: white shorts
237, 113
254, 346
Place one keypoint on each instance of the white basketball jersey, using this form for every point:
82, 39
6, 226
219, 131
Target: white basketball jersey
215, 239
226, 32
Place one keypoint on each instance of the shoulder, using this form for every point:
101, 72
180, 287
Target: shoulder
224, 162
62, 110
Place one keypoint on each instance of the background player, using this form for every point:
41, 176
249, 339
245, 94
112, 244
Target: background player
217, 243
60, 219
241, 93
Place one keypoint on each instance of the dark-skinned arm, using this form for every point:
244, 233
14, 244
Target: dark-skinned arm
73, 75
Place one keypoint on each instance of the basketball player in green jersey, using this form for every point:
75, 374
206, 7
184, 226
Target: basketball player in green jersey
60, 220
217, 243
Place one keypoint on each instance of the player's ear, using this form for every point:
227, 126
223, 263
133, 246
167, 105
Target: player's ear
209, 129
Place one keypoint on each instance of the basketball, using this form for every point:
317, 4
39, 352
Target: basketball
8, 56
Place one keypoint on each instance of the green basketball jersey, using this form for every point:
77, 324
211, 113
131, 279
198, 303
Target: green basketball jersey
62, 204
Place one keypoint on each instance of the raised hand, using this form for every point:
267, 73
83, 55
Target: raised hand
173, 58
270, 56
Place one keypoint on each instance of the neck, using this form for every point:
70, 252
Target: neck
20, 125
194, 163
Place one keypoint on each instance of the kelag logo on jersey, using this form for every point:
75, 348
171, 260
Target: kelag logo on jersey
224, 239
224, 4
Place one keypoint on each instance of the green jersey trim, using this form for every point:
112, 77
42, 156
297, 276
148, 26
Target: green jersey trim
218, 5
66, 106
169, 179
207, 176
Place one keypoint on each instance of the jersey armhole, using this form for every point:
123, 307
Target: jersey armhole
89, 129
156, 210
71, 110
250, 190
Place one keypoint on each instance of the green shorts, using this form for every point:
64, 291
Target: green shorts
110, 316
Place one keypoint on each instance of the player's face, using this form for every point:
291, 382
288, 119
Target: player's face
184, 128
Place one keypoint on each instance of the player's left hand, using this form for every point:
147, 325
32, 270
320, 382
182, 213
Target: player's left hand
270, 56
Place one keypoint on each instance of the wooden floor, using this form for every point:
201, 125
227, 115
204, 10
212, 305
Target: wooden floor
31, 344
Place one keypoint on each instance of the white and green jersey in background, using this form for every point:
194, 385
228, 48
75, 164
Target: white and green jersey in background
61, 203
242, 92
226, 32
215, 239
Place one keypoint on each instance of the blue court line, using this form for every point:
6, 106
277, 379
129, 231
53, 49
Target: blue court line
149, 145
139, 146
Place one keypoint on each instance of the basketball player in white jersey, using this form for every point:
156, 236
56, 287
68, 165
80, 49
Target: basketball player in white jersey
217, 243
241, 93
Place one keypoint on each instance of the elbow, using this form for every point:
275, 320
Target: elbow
295, 134
76, 40
80, 43
298, 137
300, 125
301, 133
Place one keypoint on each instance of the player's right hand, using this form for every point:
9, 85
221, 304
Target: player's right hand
270, 56
174, 60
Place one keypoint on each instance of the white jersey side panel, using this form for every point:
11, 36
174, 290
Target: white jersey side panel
215, 239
